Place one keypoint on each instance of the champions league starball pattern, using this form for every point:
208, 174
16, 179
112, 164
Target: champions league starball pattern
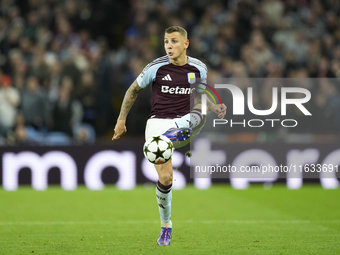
158, 149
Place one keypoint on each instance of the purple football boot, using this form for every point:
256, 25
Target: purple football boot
178, 134
164, 236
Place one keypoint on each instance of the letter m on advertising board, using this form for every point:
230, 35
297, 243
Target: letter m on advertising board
39, 166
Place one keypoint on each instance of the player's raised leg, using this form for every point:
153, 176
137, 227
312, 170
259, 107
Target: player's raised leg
186, 126
192, 120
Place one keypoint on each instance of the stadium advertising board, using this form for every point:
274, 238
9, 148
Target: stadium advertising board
125, 166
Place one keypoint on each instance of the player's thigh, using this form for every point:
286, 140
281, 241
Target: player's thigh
156, 126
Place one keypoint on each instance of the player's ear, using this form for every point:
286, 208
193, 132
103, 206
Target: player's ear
186, 43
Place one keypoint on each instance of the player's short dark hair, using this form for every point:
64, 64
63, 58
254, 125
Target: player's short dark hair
178, 29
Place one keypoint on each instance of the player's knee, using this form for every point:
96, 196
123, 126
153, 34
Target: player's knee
165, 173
165, 178
198, 106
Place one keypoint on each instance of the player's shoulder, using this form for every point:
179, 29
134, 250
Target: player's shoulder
158, 62
163, 59
149, 72
198, 63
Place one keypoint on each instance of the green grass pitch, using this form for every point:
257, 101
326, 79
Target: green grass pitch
219, 220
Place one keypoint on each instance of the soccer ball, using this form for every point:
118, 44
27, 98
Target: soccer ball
158, 149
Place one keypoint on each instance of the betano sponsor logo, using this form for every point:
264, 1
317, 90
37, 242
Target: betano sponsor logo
177, 90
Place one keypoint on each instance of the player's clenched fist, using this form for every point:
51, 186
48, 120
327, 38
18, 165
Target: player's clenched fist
222, 111
119, 130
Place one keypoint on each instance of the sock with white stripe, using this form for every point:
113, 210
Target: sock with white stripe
164, 197
190, 120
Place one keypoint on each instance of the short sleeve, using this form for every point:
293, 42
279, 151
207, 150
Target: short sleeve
147, 76
204, 78
203, 73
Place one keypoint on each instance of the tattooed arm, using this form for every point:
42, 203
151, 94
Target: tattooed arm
129, 99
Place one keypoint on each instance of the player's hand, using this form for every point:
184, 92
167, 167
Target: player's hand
220, 110
119, 130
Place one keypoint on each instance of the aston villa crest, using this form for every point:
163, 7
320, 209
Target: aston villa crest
191, 78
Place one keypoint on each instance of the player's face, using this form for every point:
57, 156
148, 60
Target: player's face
175, 45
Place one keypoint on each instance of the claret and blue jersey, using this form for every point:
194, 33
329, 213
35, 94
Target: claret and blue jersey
171, 85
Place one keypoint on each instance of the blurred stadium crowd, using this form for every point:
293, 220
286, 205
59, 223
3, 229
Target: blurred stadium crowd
65, 65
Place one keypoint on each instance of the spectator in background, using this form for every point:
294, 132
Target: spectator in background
34, 105
246, 56
9, 102
70, 69
26, 47
65, 36
66, 112
18, 68
328, 105
88, 98
39, 67
261, 53
55, 80
44, 36
85, 45
336, 68
273, 10
19, 134
105, 76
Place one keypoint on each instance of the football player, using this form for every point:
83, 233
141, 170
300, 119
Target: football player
171, 77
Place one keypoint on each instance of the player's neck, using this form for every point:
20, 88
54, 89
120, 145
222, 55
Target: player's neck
180, 60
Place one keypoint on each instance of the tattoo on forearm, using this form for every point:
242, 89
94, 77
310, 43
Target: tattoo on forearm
209, 104
198, 100
129, 99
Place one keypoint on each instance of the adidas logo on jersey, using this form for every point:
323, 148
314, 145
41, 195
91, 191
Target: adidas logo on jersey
167, 78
